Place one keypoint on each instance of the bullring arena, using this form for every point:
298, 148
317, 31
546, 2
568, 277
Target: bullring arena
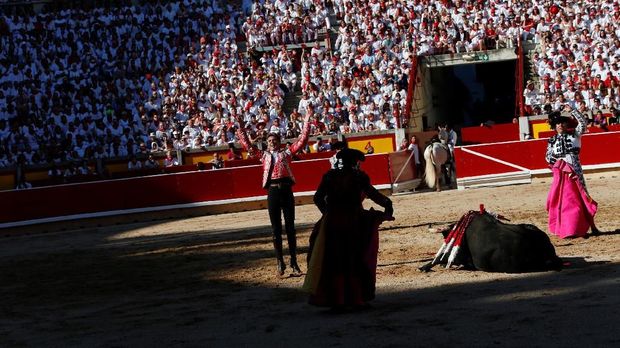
130, 214
209, 281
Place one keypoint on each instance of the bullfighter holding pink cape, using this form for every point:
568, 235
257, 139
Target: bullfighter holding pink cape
570, 207
344, 243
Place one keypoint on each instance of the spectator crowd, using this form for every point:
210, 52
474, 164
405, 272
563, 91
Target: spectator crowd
576, 60
272, 23
130, 80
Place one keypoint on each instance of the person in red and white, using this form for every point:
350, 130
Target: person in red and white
278, 180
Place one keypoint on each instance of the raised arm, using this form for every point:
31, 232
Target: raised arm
305, 133
581, 119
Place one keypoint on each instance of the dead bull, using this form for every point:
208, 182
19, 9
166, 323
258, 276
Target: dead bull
480, 241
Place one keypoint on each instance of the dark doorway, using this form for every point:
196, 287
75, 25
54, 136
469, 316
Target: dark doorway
471, 94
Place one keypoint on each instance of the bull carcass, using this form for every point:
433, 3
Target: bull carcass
481, 241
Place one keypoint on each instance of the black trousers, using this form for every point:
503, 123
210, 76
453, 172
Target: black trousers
280, 201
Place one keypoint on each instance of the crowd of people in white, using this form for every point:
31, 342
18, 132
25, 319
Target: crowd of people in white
111, 82
129, 80
272, 23
577, 59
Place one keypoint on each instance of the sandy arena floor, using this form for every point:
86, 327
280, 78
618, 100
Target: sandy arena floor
209, 282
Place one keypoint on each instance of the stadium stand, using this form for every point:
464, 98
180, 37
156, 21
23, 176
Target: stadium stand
106, 82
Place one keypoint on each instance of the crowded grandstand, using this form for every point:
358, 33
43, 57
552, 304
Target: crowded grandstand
82, 82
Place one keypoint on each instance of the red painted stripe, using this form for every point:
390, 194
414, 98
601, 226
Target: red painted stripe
468, 164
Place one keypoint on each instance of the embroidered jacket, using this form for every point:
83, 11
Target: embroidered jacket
566, 146
282, 164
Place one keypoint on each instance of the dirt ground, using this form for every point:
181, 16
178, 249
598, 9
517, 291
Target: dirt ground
210, 282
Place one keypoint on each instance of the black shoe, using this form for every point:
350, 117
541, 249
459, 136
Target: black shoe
595, 231
296, 270
281, 268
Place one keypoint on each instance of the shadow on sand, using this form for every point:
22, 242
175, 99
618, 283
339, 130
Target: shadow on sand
175, 290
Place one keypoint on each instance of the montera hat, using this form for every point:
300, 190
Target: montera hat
556, 118
350, 157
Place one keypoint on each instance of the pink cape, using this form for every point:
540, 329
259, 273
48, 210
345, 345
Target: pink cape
571, 210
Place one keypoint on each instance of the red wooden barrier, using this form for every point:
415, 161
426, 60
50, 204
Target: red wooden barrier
166, 190
598, 150
592, 130
241, 163
490, 134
